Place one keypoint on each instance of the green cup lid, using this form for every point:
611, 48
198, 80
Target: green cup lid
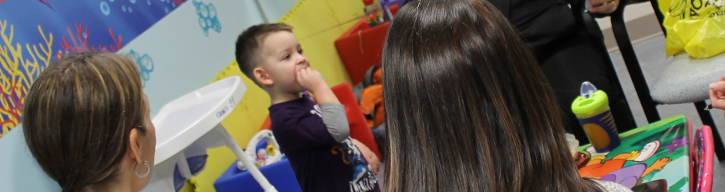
596, 103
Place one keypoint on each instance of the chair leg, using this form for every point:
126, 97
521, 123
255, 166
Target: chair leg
706, 118
635, 70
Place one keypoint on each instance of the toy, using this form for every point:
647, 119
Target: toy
263, 148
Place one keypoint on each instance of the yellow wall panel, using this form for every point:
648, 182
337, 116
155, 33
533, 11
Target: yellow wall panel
346, 11
346, 26
310, 17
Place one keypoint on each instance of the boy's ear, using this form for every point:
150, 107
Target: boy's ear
262, 76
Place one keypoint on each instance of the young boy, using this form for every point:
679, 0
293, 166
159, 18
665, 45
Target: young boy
315, 138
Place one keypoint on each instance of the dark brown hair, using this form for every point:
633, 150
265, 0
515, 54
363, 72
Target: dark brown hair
249, 43
78, 116
467, 106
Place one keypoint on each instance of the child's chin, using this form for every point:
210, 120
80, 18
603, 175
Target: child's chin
300, 90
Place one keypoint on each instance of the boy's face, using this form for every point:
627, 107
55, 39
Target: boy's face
282, 56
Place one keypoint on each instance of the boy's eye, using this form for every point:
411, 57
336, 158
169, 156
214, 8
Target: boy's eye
285, 57
300, 51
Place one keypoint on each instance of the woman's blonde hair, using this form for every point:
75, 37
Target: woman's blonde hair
78, 115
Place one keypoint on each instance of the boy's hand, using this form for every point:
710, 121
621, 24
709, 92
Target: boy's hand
311, 80
717, 94
370, 157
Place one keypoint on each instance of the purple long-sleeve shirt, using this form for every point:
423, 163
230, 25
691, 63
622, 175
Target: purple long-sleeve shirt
319, 161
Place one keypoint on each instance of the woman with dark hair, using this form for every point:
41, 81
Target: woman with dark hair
86, 122
468, 108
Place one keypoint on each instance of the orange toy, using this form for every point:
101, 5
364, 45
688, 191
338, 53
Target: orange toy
371, 102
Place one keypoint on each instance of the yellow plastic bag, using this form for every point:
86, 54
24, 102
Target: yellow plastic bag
695, 26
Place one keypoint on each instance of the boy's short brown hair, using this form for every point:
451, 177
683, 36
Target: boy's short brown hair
249, 43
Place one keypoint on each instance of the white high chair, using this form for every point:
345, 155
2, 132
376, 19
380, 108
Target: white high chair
189, 125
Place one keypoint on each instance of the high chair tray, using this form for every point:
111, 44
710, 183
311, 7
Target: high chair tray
184, 120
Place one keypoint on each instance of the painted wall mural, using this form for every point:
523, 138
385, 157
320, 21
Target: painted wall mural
207, 17
35, 33
145, 65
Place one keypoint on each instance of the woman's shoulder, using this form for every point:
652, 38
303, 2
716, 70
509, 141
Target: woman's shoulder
612, 186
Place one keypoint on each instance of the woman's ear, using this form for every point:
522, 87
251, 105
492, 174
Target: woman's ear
262, 76
134, 146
